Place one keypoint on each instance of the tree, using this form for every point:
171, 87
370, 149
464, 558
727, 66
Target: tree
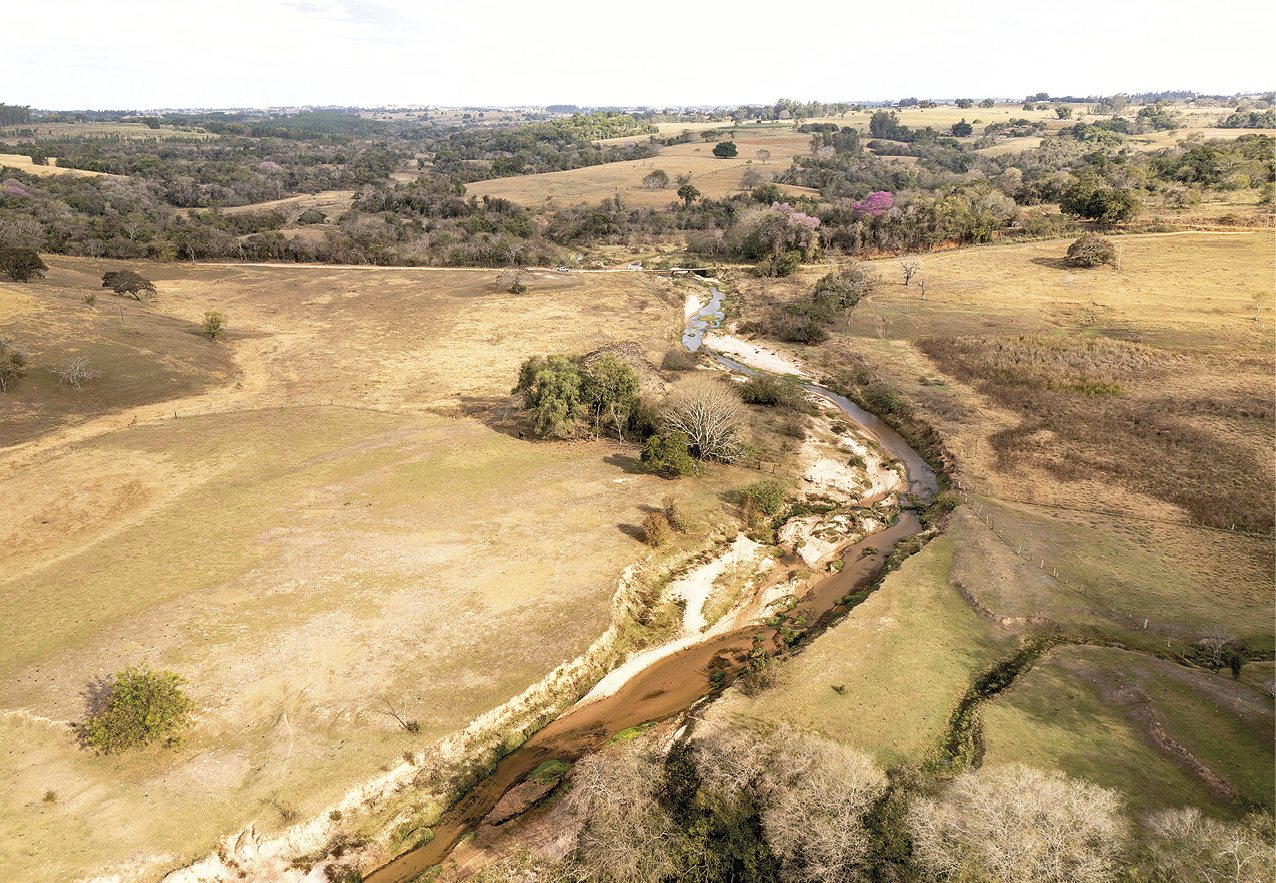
1090, 251
986, 103
126, 282
610, 392
627, 834
688, 194
77, 371
845, 288
14, 359
142, 706
656, 180
910, 266
965, 103
666, 454
885, 124
1065, 112
725, 150
21, 264
214, 325
1186, 847
763, 156
711, 416
1099, 203
963, 129
1015, 823
551, 391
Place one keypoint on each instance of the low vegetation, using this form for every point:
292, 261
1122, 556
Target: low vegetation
140, 706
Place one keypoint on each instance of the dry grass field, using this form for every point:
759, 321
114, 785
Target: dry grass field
1100, 487
23, 163
713, 177
301, 563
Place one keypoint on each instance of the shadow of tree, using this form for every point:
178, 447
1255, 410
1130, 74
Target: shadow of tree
1055, 264
634, 531
629, 465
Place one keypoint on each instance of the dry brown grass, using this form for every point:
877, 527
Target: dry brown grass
715, 178
297, 560
23, 163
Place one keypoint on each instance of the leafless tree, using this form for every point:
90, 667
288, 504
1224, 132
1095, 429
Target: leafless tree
710, 414
1216, 639
1185, 847
910, 266
77, 371
813, 793
627, 835
763, 156
401, 716
1014, 823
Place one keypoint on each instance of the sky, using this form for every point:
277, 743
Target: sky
143, 54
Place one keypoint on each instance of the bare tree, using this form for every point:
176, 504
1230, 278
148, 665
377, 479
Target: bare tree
910, 266
627, 835
1014, 823
763, 156
411, 726
710, 414
1216, 639
77, 371
14, 359
1185, 847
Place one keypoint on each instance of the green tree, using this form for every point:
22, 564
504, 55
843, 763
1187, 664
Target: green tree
963, 129
551, 391
965, 103
214, 325
725, 150
1065, 112
611, 392
1099, 203
21, 264
128, 283
142, 706
986, 103
688, 194
666, 454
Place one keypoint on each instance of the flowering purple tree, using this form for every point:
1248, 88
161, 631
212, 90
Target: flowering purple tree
873, 205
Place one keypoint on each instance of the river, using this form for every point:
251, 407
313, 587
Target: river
672, 683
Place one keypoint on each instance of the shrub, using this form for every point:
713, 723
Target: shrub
673, 513
766, 495
666, 454
14, 359
1090, 251
763, 390
680, 358
656, 529
312, 216
214, 325
142, 706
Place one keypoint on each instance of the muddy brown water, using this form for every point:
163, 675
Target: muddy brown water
673, 683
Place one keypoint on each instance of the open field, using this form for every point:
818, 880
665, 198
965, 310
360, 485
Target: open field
713, 177
302, 564
1099, 487
905, 656
1138, 716
23, 163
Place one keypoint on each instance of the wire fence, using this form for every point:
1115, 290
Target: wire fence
1099, 603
